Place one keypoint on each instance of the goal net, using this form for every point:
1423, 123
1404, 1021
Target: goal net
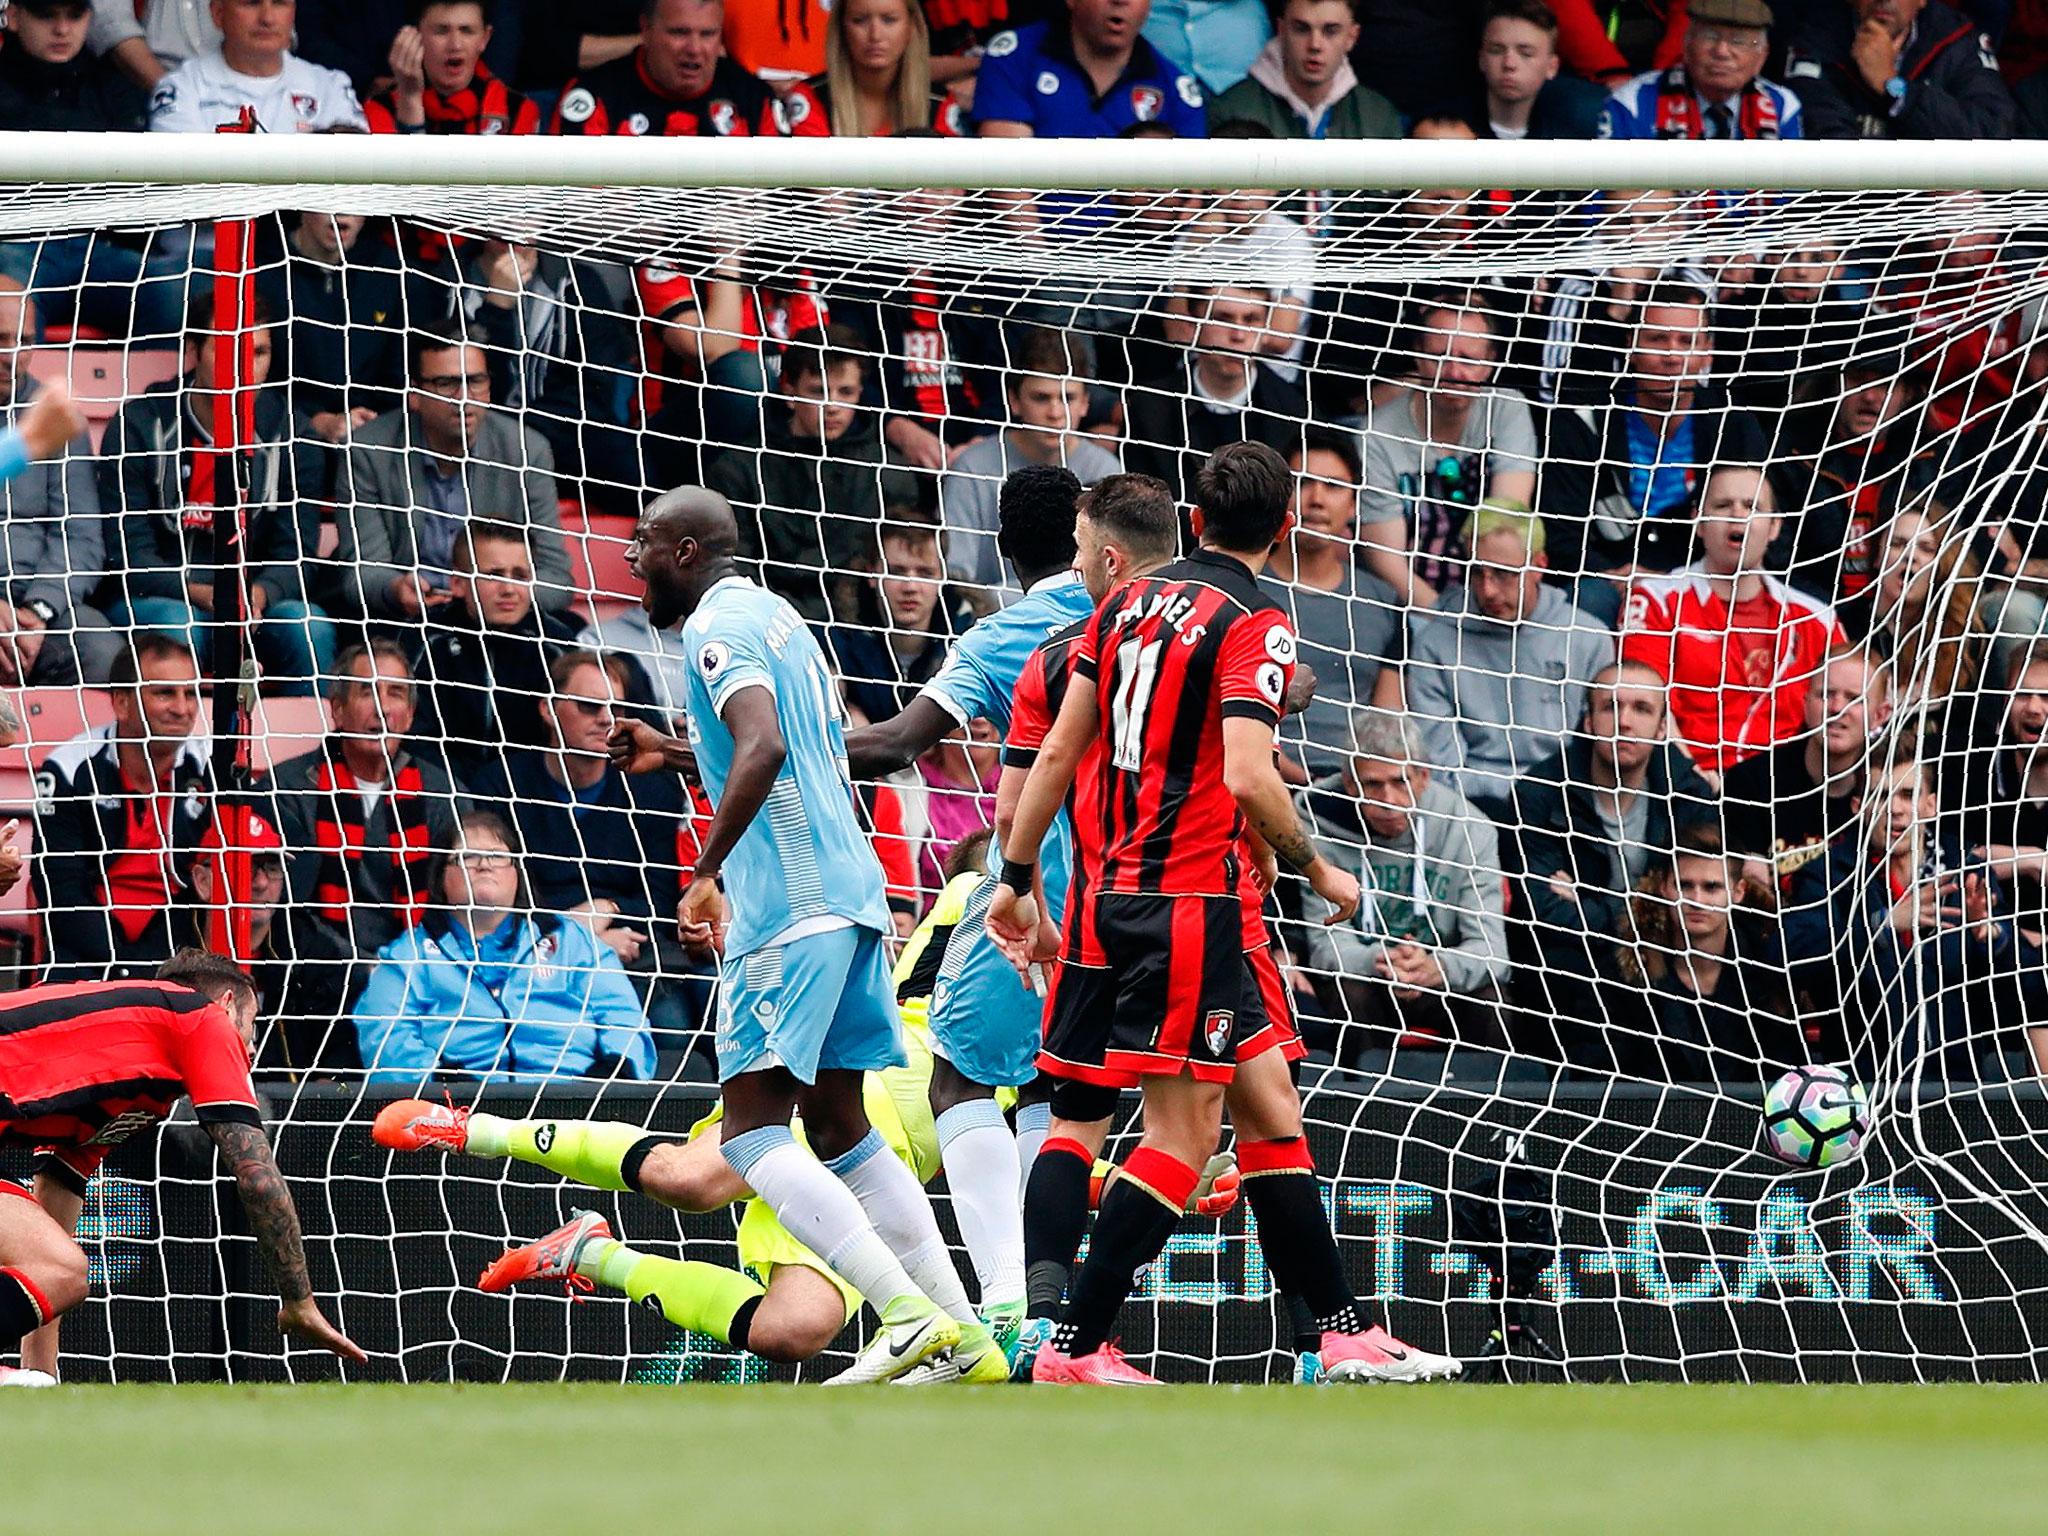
1671, 565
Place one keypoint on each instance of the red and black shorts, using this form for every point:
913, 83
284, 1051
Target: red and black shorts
9, 1187
1172, 994
1275, 1030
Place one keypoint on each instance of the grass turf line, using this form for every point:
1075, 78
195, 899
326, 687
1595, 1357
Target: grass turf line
317, 1459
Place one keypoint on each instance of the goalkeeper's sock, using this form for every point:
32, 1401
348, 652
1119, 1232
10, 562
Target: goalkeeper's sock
705, 1298
1055, 1215
1034, 1124
1294, 1231
23, 1306
819, 1211
902, 1213
1301, 1317
1139, 1212
602, 1154
980, 1158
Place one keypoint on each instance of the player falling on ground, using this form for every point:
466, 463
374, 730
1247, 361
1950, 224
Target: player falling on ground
85, 1066
783, 1303
805, 1005
1126, 532
985, 1028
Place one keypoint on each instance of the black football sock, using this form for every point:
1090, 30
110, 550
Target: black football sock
1055, 1215
1300, 1248
1139, 1212
23, 1307
1308, 1335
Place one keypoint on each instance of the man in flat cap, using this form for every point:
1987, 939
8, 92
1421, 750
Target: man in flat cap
1715, 91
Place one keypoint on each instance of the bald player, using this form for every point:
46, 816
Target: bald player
805, 1001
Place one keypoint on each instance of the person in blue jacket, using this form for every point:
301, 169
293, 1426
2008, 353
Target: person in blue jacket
486, 987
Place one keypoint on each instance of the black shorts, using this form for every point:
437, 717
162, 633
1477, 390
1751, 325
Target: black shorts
1172, 995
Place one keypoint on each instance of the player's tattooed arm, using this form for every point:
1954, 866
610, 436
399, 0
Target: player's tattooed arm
273, 1219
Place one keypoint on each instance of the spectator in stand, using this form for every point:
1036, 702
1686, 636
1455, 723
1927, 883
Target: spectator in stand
1716, 90
1873, 460
1497, 673
600, 847
345, 307
483, 987
1594, 819
878, 75
2003, 787
254, 67
1928, 622
560, 41
1046, 392
440, 80
1621, 473
124, 284
366, 39
1610, 43
412, 479
1103, 78
810, 496
1897, 69
1521, 95
1784, 806
1426, 953
1788, 318
145, 41
363, 814
1221, 391
676, 83
1420, 56
49, 81
1216, 41
1437, 446
1247, 231
904, 623
1346, 620
157, 485
1694, 991
947, 798
656, 660
119, 813
1910, 934
304, 983
1302, 86
52, 538
1739, 647
488, 653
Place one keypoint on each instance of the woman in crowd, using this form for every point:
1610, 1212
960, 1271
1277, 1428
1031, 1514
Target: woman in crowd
485, 986
878, 74
1926, 621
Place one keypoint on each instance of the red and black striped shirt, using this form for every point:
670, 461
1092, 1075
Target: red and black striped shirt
488, 106
1172, 656
84, 1066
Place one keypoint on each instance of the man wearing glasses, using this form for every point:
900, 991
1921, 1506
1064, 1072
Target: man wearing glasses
412, 479
1713, 92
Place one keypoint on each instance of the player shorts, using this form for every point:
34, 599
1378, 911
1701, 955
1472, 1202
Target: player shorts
9, 1187
985, 1019
1273, 1028
822, 1002
1170, 996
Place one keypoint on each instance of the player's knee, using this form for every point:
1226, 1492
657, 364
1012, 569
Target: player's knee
674, 1178
792, 1335
63, 1275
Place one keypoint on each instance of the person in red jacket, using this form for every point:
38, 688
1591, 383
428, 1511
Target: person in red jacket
1738, 646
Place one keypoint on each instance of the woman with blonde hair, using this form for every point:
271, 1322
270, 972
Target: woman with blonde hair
878, 73
1927, 617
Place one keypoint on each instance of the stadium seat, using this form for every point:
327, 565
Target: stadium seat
48, 716
285, 729
101, 378
597, 561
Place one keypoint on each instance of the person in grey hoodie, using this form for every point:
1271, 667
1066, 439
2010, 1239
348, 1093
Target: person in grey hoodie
1497, 672
1427, 951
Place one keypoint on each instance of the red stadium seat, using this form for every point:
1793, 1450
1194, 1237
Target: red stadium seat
101, 378
597, 561
49, 716
285, 729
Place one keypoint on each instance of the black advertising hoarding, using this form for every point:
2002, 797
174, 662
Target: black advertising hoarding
1641, 1243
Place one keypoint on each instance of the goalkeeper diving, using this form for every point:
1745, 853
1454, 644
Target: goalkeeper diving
783, 1303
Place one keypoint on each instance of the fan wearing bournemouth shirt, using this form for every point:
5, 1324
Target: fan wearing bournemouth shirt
1126, 531
676, 84
1738, 647
1180, 677
86, 1066
440, 81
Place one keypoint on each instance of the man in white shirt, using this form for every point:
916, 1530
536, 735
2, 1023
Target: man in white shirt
254, 67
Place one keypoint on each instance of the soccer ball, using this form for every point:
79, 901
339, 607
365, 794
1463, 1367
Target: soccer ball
1815, 1117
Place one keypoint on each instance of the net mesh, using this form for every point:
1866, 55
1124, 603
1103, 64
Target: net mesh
1785, 460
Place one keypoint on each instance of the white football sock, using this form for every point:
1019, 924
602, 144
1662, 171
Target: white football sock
1034, 1124
980, 1156
820, 1211
902, 1213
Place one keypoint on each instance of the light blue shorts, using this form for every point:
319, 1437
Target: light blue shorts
984, 1019
823, 1002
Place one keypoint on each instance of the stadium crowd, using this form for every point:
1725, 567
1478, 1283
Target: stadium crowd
1679, 700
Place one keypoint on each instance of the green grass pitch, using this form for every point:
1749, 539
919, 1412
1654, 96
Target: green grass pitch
652, 1461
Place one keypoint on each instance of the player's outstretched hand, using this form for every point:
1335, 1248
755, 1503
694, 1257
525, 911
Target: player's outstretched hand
1336, 886
50, 422
305, 1321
